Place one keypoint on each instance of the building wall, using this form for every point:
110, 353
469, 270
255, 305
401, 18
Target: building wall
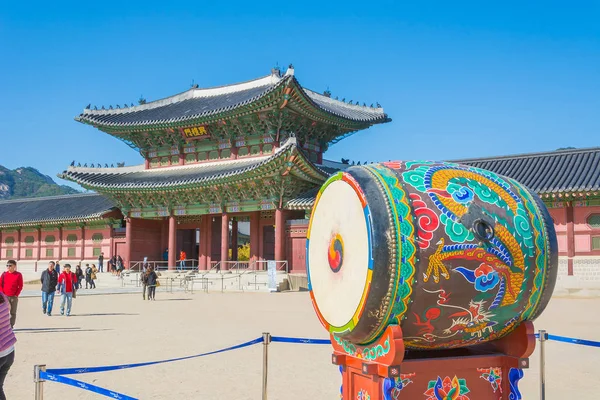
146, 240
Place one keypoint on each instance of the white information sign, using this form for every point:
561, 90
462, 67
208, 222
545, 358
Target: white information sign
272, 272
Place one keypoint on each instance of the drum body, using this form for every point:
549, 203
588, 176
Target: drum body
453, 254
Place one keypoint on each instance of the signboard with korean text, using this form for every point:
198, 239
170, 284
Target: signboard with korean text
195, 132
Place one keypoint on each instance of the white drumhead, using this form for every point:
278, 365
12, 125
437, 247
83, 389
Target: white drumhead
338, 253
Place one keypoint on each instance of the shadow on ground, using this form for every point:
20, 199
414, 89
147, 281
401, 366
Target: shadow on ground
57, 330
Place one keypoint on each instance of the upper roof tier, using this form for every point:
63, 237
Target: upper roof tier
274, 92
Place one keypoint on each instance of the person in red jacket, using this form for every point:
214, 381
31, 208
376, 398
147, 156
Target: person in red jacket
11, 284
67, 282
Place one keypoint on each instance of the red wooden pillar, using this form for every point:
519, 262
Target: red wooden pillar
208, 241
224, 241
181, 158
18, 257
60, 242
83, 243
254, 233
164, 236
234, 239
202, 243
279, 235
172, 242
128, 242
570, 238
39, 244
146, 164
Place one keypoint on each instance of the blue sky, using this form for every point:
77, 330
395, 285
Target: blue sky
459, 79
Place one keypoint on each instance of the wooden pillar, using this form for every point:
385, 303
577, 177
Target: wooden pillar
146, 164
202, 243
279, 235
128, 242
82, 242
254, 233
18, 257
570, 238
172, 242
208, 242
60, 243
234, 239
224, 241
181, 158
39, 244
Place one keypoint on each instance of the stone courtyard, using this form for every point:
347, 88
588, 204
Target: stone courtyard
112, 329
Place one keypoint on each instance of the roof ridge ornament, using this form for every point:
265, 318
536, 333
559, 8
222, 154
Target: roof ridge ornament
290, 71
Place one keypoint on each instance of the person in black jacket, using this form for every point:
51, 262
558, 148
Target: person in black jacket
151, 279
49, 281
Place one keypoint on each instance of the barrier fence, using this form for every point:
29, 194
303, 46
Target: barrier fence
42, 375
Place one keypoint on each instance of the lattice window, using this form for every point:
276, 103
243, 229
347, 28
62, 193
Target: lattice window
49, 253
71, 252
96, 251
29, 253
594, 221
9, 241
595, 242
72, 238
29, 240
97, 237
50, 239
9, 253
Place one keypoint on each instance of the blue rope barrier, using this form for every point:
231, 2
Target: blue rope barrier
86, 370
284, 339
582, 342
85, 386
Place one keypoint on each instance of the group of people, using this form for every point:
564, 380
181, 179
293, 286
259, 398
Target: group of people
115, 264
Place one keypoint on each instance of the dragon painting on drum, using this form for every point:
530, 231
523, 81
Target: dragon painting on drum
453, 254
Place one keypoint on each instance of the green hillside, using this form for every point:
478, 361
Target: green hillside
28, 182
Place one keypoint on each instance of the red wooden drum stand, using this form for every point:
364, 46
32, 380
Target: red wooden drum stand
385, 370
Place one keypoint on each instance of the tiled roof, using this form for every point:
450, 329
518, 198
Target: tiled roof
74, 207
549, 172
304, 201
139, 178
197, 103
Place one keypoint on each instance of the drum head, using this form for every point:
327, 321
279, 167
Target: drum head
338, 253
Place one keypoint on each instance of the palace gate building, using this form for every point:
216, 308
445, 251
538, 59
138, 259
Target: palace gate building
250, 152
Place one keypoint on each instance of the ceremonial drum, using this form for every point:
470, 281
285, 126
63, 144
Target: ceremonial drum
454, 255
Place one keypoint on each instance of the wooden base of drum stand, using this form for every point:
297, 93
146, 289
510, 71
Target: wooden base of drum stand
384, 370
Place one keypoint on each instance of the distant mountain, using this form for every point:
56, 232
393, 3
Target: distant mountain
28, 182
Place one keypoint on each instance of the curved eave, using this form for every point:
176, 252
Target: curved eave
55, 221
311, 172
235, 110
316, 112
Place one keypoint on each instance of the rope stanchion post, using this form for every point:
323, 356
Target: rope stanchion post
39, 383
543, 337
266, 341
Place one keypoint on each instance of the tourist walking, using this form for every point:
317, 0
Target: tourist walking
67, 282
88, 275
57, 267
182, 257
151, 283
119, 265
49, 281
7, 342
101, 262
93, 277
11, 284
79, 275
